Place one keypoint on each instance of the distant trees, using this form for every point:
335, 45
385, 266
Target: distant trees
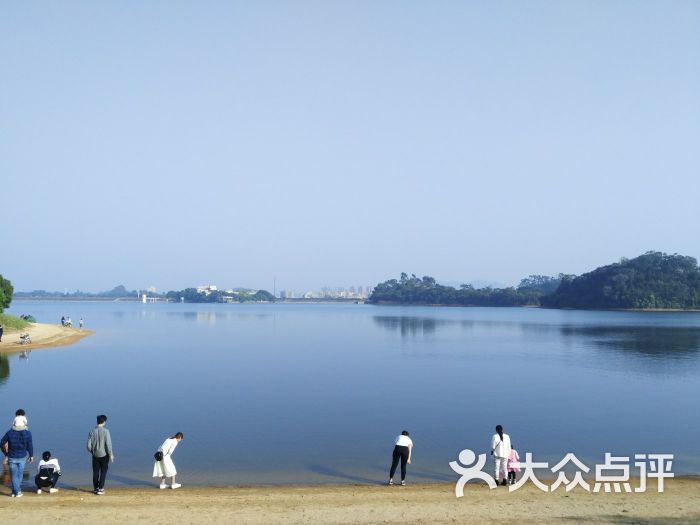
119, 291
263, 295
191, 295
652, 280
542, 284
115, 293
6, 290
425, 290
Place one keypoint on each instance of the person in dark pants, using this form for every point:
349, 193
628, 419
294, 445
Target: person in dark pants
99, 444
49, 472
1, 331
17, 445
403, 448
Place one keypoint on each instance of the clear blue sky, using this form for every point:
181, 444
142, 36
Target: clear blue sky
340, 143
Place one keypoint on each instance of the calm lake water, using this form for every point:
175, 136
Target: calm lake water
316, 393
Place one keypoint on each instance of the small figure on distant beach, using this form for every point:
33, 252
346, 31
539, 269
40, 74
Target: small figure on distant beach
20, 419
500, 450
69, 321
80, 323
63, 320
403, 449
2, 329
513, 465
99, 445
17, 445
165, 468
48, 472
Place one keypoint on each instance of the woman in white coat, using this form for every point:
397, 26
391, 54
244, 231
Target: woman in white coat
500, 450
165, 468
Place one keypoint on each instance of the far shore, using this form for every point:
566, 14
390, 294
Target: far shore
357, 504
43, 336
534, 306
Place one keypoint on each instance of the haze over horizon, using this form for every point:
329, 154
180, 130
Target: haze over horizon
176, 144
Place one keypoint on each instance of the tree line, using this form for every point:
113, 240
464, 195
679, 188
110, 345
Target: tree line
654, 280
191, 295
425, 290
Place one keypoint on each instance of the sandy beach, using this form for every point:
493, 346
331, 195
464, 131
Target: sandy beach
43, 336
358, 504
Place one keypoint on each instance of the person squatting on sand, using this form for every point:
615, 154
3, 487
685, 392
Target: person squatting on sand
99, 445
165, 468
403, 448
17, 444
500, 450
48, 472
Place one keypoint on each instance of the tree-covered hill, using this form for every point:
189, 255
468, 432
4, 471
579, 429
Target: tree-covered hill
425, 290
652, 280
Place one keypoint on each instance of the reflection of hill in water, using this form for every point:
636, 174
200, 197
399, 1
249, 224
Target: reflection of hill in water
661, 342
4, 368
411, 326
655, 342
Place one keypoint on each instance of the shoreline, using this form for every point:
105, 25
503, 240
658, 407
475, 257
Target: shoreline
43, 336
358, 504
537, 307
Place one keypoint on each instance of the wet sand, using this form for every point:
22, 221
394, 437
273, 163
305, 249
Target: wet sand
357, 504
43, 336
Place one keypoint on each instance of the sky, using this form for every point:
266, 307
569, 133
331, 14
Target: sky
338, 143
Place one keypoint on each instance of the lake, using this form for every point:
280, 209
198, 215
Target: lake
315, 393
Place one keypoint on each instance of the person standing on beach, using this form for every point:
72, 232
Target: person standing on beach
500, 450
513, 465
403, 449
99, 445
1, 331
17, 444
165, 468
80, 323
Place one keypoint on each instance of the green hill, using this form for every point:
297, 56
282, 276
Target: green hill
653, 280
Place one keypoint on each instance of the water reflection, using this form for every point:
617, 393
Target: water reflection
413, 326
209, 317
4, 368
658, 342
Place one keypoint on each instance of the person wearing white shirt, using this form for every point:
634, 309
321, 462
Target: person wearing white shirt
403, 448
49, 471
165, 468
500, 450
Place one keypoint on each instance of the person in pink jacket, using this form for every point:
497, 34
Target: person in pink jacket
513, 464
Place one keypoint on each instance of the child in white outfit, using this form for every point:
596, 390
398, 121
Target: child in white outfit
20, 421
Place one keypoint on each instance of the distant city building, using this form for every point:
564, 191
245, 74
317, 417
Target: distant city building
206, 289
151, 289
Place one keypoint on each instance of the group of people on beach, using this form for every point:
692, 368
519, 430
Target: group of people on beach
18, 448
68, 322
505, 456
507, 460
